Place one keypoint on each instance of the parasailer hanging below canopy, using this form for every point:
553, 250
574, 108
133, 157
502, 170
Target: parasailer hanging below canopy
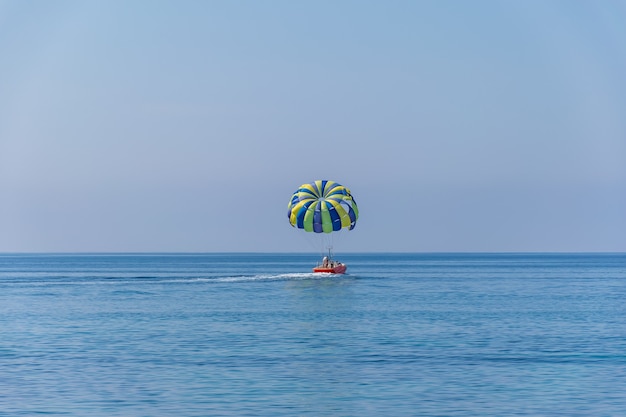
323, 207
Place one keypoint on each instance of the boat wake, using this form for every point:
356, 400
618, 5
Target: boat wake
126, 279
275, 277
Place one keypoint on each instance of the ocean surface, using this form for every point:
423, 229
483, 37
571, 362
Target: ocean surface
258, 335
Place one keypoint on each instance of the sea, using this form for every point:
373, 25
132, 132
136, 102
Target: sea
258, 334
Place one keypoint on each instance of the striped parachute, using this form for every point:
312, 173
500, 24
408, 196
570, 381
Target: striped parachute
322, 206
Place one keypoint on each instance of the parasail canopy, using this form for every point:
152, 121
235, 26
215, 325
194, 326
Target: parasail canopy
322, 206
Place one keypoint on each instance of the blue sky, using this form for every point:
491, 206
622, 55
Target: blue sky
186, 126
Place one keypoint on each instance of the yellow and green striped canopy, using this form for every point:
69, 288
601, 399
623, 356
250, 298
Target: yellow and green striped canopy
322, 206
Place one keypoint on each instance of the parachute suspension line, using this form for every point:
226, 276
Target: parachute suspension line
313, 241
327, 242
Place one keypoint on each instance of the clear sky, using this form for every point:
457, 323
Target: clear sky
186, 125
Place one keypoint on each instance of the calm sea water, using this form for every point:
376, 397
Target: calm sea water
257, 335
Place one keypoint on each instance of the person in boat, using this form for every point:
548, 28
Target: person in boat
325, 262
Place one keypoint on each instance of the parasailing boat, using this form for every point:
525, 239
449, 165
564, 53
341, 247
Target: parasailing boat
330, 266
323, 206
337, 268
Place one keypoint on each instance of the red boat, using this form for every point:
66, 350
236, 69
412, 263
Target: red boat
328, 266
339, 268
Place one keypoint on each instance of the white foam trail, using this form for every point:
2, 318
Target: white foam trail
271, 277
107, 279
